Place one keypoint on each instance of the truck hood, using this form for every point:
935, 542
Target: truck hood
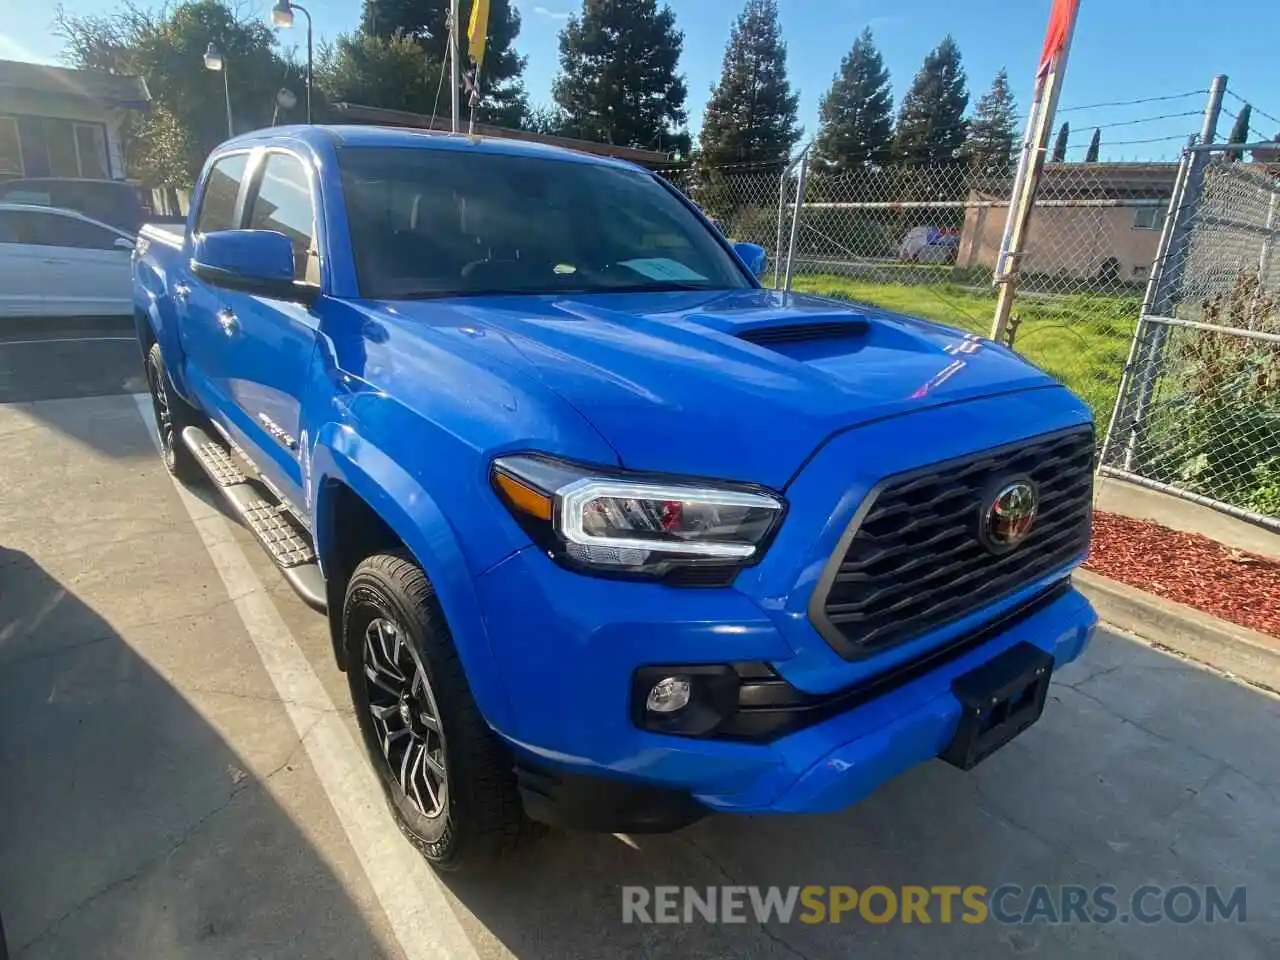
740, 385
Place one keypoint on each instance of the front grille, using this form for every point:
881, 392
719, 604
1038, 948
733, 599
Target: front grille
915, 561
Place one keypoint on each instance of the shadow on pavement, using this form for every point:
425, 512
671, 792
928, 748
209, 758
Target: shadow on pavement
129, 828
66, 360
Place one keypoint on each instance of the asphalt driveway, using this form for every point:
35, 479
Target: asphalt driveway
179, 776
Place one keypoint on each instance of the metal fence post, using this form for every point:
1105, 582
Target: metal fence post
1155, 280
1264, 255
795, 216
1172, 267
782, 206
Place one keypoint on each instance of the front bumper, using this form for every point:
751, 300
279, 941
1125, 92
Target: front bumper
569, 648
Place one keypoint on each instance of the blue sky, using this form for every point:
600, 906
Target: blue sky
1124, 49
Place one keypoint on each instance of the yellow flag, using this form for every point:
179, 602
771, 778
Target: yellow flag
478, 30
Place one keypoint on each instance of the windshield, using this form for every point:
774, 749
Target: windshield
429, 223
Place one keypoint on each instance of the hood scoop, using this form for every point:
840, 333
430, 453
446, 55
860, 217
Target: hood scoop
778, 335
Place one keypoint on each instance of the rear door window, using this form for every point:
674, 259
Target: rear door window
51, 229
60, 231
222, 188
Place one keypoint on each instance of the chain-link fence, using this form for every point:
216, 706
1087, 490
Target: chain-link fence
1199, 410
924, 240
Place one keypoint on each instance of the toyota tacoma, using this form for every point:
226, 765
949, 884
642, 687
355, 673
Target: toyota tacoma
609, 536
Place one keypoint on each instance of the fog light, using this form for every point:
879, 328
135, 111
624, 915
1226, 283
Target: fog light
669, 695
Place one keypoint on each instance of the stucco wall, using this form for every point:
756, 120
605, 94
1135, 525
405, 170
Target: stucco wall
1069, 241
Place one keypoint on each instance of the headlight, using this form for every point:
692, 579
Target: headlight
607, 522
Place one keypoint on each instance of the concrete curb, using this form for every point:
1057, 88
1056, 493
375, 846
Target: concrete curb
1248, 654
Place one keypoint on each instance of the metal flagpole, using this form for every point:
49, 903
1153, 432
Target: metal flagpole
1035, 144
455, 72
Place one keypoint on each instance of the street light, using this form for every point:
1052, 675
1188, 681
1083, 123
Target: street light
214, 60
284, 99
282, 16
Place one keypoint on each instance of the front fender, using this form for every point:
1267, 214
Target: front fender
405, 506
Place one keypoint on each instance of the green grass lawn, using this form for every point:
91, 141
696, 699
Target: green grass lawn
1082, 339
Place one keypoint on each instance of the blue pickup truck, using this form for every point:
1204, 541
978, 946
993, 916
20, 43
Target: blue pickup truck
609, 536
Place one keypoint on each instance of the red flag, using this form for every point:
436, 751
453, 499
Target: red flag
1055, 38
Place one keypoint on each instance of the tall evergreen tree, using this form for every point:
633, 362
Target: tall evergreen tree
1059, 154
1240, 132
1095, 144
989, 148
931, 124
504, 100
752, 112
618, 82
857, 112
391, 72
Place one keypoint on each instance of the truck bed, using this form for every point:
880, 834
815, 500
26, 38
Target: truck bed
167, 233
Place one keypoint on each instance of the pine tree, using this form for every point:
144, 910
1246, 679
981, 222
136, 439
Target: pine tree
1240, 132
1059, 154
931, 124
752, 112
390, 72
857, 112
618, 82
1091, 154
989, 148
503, 97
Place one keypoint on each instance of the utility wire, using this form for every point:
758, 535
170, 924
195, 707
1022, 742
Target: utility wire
1125, 143
1130, 103
1256, 109
1252, 129
1130, 123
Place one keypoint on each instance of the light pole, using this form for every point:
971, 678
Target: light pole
285, 99
214, 60
282, 16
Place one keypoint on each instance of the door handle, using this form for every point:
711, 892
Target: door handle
228, 322
180, 291
57, 261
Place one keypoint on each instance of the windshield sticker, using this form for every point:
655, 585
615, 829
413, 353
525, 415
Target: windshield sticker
662, 268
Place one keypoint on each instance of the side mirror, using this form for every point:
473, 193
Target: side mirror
753, 255
251, 261
122, 243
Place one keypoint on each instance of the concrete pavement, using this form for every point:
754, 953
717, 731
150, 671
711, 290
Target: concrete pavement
159, 798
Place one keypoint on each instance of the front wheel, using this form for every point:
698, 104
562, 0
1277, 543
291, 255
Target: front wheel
447, 778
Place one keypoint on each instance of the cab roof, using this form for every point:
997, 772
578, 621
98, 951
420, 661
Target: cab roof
405, 138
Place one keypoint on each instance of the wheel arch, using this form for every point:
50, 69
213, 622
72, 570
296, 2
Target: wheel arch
359, 508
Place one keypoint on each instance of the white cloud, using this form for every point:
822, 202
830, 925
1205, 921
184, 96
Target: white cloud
551, 14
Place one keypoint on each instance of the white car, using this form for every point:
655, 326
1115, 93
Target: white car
59, 263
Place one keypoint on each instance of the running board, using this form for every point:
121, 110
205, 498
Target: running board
284, 539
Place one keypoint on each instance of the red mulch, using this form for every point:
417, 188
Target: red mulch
1188, 568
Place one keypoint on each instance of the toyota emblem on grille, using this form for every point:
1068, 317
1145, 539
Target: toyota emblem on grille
1009, 515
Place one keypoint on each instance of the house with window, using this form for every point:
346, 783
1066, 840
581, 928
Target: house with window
1096, 220
56, 122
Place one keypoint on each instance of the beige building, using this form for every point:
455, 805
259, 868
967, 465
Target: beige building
1097, 220
56, 122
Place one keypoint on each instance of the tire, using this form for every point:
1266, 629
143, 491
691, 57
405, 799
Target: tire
172, 415
392, 623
